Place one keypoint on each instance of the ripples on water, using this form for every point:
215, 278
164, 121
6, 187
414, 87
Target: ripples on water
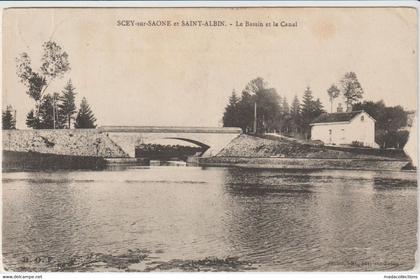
278, 221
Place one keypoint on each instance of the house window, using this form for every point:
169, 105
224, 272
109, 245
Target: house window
362, 118
330, 131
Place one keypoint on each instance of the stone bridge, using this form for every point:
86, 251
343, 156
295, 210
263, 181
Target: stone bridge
213, 139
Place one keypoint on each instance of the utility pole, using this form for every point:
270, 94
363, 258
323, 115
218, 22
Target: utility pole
255, 117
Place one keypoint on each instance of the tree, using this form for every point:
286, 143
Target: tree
67, 107
45, 117
310, 110
46, 114
351, 88
374, 109
295, 115
389, 123
267, 101
85, 118
268, 109
284, 116
246, 112
307, 110
240, 113
54, 64
60, 118
8, 119
318, 108
256, 85
285, 106
393, 118
333, 93
32, 121
230, 116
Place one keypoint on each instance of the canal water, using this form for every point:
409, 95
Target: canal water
270, 220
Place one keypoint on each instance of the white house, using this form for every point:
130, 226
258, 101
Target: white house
344, 128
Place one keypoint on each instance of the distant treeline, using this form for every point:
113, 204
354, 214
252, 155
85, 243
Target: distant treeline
274, 114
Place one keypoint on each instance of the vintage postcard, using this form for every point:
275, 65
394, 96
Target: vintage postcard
209, 139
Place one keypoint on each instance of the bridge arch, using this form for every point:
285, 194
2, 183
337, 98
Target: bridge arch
198, 143
214, 139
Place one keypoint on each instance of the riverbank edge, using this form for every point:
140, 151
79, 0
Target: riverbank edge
29, 160
47, 149
305, 163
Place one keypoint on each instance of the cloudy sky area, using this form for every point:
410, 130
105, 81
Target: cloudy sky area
184, 76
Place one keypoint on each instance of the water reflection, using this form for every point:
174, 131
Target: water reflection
47, 220
332, 220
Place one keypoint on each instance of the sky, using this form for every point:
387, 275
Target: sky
183, 76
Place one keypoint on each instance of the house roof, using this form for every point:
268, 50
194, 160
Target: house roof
336, 117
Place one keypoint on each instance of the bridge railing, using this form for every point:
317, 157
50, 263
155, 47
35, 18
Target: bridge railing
170, 129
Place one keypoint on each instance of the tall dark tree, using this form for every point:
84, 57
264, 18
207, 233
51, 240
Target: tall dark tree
351, 89
333, 93
8, 119
85, 118
32, 121
230, 116
284, 117
307, 110
246, 111
54, 64
295, 115
59, 116
67, 106
318, 108
45, 117
46, 112
310, 110
285, 106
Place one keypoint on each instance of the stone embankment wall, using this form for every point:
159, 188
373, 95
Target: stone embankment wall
77, 142
305, 163
256, 147
254, 152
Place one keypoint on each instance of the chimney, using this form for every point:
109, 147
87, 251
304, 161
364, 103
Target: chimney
339, 108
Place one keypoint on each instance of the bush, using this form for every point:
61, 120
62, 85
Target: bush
356, 143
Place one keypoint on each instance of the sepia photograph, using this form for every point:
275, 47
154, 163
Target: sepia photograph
209, 139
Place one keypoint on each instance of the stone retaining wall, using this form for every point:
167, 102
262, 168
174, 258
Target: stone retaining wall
305, 163
76, 142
